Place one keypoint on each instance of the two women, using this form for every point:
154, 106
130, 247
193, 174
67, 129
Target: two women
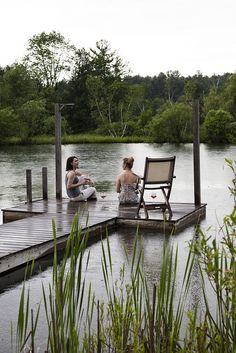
78, 186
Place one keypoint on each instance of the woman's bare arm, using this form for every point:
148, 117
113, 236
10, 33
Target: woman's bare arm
70, 179
118, 184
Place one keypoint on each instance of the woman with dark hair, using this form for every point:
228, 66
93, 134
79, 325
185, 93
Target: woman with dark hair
78, 187
127, 183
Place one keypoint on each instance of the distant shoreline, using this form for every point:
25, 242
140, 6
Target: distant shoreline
85, 138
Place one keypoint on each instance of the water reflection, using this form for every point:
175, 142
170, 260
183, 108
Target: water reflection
152, 244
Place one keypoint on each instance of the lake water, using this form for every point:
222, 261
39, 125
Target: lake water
103, 163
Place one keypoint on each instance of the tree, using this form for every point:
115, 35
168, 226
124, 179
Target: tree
9, 124
49, 57
219, 94
174, 85
193, 89
158, 85
106, 63
110, 105
213, 101
32, 115
229, 95
77, 92
109, 94
172, 125
219, 127
48, 127
17, 86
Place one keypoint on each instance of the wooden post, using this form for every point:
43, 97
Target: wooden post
29, 185
196, 153
45, 183
58, 151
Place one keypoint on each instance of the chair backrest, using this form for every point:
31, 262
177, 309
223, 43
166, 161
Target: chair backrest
159, 170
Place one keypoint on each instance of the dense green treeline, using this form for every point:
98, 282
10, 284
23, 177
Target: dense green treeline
107, 99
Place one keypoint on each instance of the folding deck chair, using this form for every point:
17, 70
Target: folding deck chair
158, 175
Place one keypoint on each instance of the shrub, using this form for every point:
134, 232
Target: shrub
9, 124
217, 127
171, 125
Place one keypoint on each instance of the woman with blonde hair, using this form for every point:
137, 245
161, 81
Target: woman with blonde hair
127, 183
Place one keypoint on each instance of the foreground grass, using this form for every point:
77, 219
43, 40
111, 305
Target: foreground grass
132, 319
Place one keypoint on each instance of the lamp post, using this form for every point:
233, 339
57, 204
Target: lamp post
58, 109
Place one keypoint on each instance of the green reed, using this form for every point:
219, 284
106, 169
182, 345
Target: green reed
64, 305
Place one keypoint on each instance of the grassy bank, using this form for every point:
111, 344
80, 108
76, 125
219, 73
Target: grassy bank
73, 139
84, 138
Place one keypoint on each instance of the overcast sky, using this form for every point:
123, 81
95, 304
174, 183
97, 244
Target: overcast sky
153, 36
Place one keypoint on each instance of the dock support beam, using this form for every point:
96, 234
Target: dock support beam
196, 152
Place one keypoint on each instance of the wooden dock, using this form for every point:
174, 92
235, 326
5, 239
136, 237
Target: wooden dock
27, 229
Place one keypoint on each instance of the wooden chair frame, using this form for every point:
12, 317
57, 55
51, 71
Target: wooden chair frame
158, 175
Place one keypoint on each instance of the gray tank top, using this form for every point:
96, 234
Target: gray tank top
75, 191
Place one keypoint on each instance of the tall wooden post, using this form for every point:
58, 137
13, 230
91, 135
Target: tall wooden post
29, 185
45, 183
58, 151
196, 152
